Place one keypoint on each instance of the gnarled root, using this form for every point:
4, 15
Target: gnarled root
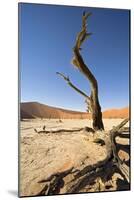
98, 176
42, 130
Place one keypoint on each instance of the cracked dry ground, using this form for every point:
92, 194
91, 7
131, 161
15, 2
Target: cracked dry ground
60, 163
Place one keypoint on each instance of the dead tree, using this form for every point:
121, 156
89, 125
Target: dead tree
92, 101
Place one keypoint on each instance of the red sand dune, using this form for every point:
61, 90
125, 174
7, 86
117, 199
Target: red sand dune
116, 113
37, 110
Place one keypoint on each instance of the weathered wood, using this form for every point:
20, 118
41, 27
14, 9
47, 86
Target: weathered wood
124, 129
86, 129
118, 162
117, 128
72, 85
92, 100
78, 61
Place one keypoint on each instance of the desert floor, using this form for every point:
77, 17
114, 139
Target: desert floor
66, 153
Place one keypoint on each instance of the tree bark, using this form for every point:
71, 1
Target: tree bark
93, 101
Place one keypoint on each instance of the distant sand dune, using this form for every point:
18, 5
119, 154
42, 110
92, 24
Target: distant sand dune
116, 113
37, 110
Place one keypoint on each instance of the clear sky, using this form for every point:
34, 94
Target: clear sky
46, 38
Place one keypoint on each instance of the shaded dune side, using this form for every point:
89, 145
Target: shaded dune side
25, 115
31, 110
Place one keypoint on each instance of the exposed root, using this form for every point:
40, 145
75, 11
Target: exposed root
124, 129
88, 129
99, 176
124, 170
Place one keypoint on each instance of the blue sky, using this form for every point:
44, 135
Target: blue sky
46, 38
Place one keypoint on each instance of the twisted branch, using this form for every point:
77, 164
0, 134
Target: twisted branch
123, 168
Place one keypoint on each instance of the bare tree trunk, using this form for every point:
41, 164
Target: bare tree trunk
92, 100
95, 109
97, 115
